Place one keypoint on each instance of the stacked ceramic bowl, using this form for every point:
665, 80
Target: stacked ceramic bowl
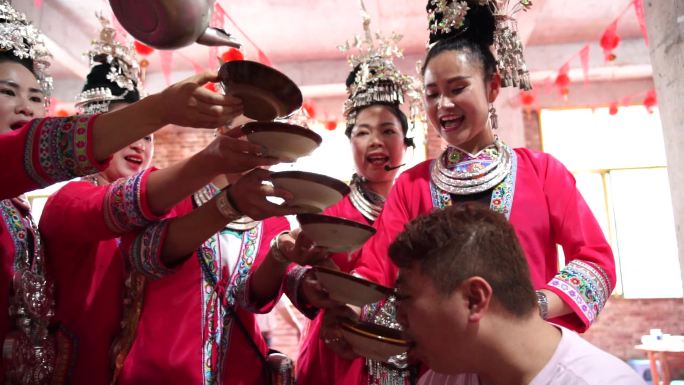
267, 95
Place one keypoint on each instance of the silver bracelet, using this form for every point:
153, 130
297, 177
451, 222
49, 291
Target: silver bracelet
275, 252
543, 303
225, 208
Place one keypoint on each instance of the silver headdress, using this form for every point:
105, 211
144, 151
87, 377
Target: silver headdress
123, 71
377, 78
23, 40
449, 18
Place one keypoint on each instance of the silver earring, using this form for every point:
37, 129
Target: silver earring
493, 118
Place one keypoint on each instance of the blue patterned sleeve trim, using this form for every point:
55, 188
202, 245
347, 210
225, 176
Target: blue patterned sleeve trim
59, 149
586, 285
144, 254
124, 209
293, 282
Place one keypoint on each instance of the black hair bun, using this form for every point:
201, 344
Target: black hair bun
478, 26
97, 78
9, 56
351, 78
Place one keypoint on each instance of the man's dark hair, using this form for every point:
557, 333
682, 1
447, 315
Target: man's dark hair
464, 241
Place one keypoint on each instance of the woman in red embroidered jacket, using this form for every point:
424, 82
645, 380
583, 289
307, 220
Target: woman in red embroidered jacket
82, 222
532, 189
40, 152
377, 133
196, 324
37, 152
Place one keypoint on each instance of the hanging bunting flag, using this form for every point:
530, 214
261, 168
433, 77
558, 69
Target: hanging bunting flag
584, 59
166, 58
563, 80
263, 59
641, 17
610, 40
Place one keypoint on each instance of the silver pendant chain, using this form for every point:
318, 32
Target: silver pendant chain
369, 209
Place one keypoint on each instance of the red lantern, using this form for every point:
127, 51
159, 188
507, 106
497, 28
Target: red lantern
232, 54
142, 49
526, 98
613, 108
609, 41
62, 113
331, 125
309, 109
650, 101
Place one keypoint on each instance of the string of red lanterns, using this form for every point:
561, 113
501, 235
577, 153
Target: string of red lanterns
609, 42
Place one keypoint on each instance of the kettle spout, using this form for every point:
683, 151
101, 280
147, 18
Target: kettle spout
217, 37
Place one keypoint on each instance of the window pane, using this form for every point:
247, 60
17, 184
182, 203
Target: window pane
644, 228
586, 139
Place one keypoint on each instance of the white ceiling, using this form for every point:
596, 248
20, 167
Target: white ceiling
301, 31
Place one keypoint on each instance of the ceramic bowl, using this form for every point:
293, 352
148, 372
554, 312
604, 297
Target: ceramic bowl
374, 341
266, 93
312, 192
336, 234
284, 141
349, 289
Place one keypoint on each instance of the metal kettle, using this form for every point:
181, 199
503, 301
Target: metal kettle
170, 24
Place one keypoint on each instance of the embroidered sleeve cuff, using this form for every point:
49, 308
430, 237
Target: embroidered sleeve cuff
60, 149
584, 286
144, 254
293, 282
125, 204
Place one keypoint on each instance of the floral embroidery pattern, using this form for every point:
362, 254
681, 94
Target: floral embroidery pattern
122, 204
144, 253
502, 194
15, 227
62, 149
465, 163
219, 293
586, 284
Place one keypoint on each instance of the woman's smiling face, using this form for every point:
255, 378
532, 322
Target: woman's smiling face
457, 98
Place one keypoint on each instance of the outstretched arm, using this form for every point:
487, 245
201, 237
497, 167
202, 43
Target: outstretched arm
186, 103
50, 150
